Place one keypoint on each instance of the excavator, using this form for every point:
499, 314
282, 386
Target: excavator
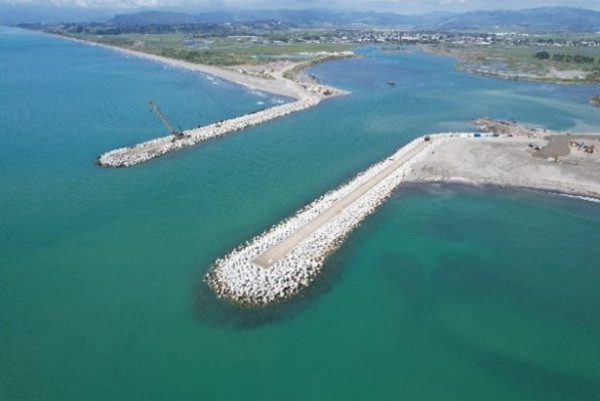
176, 134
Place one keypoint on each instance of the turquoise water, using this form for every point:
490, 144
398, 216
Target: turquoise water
446, 293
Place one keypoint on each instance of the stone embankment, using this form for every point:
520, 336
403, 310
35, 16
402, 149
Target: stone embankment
243, 276
144, 151
508, 127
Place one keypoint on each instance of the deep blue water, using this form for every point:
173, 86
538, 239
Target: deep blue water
446, 293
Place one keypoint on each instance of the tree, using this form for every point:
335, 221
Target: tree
543, 55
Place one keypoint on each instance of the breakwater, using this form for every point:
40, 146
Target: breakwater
130, 155
286, 258
307, 94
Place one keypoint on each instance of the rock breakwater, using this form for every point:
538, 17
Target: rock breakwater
243, 277
128, 156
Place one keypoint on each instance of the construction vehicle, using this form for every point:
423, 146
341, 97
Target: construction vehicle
176, 134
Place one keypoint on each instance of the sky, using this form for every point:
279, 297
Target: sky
397, 6
54, 11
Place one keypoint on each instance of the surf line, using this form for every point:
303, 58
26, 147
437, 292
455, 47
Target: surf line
305, 94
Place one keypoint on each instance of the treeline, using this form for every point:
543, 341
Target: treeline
207, 29
565, 58
207, 57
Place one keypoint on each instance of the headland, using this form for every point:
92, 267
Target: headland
286, 258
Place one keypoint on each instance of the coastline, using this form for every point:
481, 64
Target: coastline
509, 162
518, 76
518, 157
553, 75
273, 83
271, 80
445, 289
436, 186
506, 161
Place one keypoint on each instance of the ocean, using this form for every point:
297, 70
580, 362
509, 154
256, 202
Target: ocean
446, 293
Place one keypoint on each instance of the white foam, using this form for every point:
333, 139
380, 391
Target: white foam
585, 198
256, 93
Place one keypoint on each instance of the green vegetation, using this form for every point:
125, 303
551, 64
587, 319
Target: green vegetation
294, 72
211, 50
564, 57
578, 58
567, 58
566, 64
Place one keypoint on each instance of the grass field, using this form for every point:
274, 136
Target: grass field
223, 51
522, 62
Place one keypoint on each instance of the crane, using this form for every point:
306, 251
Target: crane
176, 134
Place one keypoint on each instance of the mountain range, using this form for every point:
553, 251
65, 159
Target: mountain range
308, 17
536, 19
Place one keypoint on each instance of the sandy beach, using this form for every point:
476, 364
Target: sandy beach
275, 86
269, 78
271, 81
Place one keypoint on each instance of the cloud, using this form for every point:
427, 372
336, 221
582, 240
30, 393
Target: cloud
93, 3
448, 2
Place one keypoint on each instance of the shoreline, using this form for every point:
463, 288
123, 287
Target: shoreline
496, 185
273, 83
286, 258
569, 77
305, 94
488, 186
523, 77
518, 157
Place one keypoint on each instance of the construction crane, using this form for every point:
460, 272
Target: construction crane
176, 134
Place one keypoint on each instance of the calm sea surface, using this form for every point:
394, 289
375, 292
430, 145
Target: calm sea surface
447, 293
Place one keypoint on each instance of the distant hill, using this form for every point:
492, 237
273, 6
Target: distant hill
535, 19
309, 17
155, 18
